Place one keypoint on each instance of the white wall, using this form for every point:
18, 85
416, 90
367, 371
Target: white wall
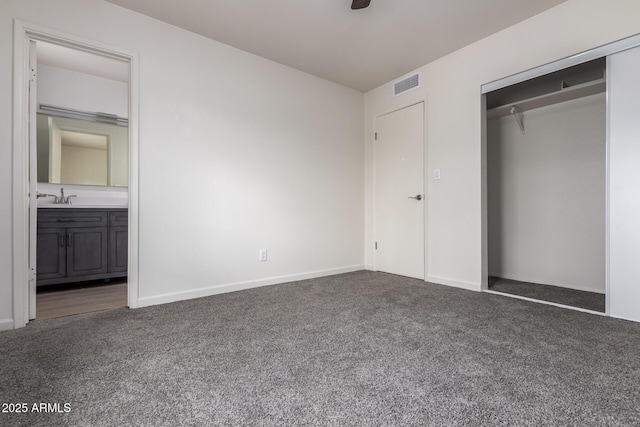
451, 86
82, 164
547, 195
237, 153
70, 89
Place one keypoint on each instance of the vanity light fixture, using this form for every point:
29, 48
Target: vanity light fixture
83, 115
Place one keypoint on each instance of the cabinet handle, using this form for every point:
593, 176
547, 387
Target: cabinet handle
66, 220
62, 240
69, 241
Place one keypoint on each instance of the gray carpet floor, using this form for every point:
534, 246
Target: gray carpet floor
571, 297
361, 348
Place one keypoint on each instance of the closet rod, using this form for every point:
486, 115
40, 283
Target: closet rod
566, 94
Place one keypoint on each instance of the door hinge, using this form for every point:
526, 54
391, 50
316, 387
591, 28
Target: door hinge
376, 245
33, 75
376, 136
32, 274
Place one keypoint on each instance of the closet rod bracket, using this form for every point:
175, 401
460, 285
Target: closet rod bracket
518, 114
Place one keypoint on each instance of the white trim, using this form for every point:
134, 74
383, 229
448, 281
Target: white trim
134, 190
23, 33
462, 284
607, 214
598, 52
6, 324
20, 162
623, 318
238, 286
426, 174
554, 304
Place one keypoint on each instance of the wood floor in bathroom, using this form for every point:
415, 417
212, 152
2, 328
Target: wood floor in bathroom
76, 299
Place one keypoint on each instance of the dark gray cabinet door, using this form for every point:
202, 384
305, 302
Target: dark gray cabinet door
81, 244
51, 253
87, 251
119, 248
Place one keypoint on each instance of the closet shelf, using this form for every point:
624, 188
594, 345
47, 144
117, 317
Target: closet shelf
565, 94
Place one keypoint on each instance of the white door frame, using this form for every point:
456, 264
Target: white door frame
424, 178
24, 33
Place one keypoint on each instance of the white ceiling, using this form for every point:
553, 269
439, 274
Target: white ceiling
361, 49
82, 62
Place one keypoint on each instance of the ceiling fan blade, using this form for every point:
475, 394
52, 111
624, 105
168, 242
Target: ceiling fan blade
360, 4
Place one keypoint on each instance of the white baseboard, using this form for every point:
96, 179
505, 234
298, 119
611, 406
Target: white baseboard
369, 267
6, 324
471, 286
238, 286
543, 282
628, 319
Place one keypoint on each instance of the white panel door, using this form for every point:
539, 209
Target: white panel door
399, 192
624, 184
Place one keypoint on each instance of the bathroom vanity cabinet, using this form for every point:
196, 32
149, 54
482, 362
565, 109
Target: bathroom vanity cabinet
78, 244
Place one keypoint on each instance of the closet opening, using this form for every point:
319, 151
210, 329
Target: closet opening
546, 187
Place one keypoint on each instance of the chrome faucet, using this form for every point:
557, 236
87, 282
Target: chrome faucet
58, 200
63, 200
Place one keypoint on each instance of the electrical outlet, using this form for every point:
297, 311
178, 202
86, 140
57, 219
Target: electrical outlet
262, 256
436, 174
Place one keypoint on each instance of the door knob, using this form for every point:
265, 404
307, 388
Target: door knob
418, 197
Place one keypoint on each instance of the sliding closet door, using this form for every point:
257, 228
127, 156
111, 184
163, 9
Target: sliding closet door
624, 184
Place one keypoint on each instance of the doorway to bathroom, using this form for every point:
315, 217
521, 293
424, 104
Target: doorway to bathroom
75, 144
81, 146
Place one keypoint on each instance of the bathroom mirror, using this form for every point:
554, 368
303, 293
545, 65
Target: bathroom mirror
73, 151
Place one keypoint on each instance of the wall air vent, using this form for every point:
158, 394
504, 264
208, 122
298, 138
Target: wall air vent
406, 84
